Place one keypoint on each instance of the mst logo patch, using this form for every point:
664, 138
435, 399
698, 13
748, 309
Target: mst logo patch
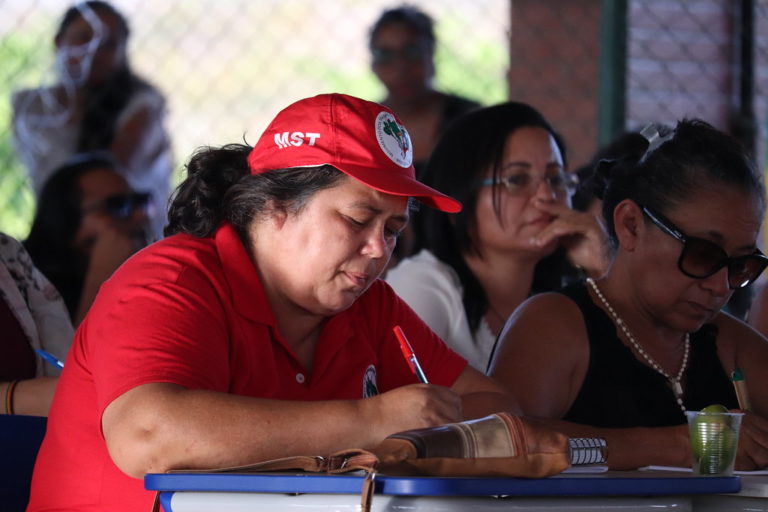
285, 139
394, 139
369, 382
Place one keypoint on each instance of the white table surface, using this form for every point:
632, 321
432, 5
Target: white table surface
247, 502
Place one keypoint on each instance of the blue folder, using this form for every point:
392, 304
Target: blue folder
606, 484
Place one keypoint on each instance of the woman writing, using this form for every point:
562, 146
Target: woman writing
507, 166
624, 356
258, 329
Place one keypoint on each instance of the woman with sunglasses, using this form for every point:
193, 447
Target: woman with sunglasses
87, 223
623, 357
514, 236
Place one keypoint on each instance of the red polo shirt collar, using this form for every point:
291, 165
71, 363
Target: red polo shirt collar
250, 301
248, 295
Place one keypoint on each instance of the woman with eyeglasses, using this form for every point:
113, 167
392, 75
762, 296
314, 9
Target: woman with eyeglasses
516, 234
624, 356
87, 223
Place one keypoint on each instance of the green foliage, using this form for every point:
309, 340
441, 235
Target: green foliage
18, 52
470, 70
213, 99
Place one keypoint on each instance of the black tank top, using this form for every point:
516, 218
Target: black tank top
620, 391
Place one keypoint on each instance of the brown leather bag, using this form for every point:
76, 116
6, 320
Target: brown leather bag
496, 445
499, 445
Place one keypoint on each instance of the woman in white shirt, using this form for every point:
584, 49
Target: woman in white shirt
517, 233
96, 104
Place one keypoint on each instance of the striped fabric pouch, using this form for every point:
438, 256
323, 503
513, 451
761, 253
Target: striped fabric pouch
497, 445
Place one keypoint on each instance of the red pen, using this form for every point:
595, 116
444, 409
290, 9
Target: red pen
410, 357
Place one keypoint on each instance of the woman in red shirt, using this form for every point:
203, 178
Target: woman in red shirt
258, 329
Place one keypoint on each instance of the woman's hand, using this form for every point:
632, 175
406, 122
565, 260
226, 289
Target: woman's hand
581, 233
753, 443
411, 407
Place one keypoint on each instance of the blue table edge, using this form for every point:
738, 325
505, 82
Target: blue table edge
562, 485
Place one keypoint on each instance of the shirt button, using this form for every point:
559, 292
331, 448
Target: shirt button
300, 378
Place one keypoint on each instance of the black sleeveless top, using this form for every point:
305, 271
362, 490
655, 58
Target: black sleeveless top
620, 391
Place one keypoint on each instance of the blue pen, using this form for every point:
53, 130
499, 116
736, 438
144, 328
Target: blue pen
49, 357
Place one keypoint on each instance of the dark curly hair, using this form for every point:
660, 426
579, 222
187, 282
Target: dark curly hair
696, 156
219, 187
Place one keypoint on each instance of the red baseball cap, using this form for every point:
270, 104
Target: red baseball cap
360, 138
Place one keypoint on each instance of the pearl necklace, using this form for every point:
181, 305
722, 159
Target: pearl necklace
674, 382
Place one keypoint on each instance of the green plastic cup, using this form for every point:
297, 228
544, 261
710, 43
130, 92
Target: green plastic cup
714, 437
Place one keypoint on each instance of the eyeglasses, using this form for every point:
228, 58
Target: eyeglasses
409, 53
525, 183
122, 206
702, 258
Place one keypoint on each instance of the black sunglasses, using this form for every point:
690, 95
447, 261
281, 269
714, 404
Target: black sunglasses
122, 206
702, 258
409, 53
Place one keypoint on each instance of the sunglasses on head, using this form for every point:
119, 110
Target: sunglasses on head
122, 206
701, 258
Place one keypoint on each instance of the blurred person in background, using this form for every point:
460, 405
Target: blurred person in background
96, 103
515, 236
32, 316
402, 44
87, 223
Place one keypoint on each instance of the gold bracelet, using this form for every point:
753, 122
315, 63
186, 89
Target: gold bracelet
9, 396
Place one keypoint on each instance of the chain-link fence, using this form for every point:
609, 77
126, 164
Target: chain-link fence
704, 58
555, 66
597, 67
594, 67
227, 66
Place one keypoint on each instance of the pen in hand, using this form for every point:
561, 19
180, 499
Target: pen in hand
409, 355
740, 386
50, 358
